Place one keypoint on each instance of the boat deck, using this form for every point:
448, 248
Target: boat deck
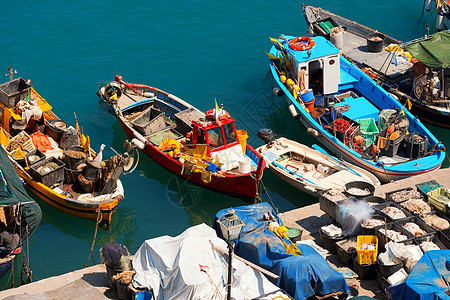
355, 42
127, 99
355, 47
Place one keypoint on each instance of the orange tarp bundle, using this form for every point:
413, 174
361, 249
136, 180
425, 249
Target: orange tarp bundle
169, 143
41, 141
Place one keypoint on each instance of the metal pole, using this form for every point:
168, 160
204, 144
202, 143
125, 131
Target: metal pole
230, 253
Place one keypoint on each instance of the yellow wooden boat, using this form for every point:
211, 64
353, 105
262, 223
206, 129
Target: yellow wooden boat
81, 185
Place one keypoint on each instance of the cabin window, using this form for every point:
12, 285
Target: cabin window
215, 138
230, 134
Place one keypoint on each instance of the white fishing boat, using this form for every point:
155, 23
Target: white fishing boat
310, 170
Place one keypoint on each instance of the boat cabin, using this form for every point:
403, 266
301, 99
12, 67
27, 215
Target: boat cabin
321, 65
214, 136
218, 140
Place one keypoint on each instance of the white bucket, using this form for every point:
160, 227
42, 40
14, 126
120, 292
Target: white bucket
245, 165
337, 37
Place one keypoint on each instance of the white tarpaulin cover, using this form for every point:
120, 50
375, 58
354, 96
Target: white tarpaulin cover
170, 267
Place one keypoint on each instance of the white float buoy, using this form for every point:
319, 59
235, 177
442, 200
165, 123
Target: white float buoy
440, 21
428, 4
293, 111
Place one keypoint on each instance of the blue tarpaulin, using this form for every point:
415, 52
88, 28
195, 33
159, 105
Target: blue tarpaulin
301, 276
428, 280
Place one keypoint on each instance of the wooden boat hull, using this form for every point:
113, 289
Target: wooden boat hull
428, 114
7, 262
244, 185
80, 209
314, 183
371, 90
389, 79
88, 209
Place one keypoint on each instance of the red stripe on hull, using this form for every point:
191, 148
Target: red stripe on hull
240, 185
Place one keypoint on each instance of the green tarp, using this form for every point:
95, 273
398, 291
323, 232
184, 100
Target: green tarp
433, 52
13, 192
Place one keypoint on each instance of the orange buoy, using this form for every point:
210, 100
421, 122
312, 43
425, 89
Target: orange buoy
302, 43
390, 129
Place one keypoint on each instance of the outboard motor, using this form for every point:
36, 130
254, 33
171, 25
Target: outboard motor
266, 135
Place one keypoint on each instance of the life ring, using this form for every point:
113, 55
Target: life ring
305, 43
223, 114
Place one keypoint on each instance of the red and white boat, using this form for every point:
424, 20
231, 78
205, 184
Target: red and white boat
205, 149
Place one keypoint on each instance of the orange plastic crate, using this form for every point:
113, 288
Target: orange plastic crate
367, 257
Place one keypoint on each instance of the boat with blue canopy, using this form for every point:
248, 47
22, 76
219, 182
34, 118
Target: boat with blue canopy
348, 112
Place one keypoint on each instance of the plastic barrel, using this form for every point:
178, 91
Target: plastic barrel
54, 128
143, 296
308, 99
122, 290
337, 37
245, 165
93, 170
294, 234
74, 156
374, 45
242, 138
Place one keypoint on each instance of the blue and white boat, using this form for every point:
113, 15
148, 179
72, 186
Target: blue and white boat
336, 102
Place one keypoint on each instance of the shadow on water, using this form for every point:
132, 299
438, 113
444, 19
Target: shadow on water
123, 221
12, 277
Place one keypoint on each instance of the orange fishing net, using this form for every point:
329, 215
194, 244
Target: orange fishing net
41, 141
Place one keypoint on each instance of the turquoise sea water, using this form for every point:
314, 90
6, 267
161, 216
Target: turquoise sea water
197, 50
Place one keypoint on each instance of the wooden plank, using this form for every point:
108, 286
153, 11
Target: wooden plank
250, 264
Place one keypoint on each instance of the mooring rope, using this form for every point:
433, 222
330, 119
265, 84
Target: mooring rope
270, 199
26, 264
257, 197
387, 175
99, 219
26, 269
12, 274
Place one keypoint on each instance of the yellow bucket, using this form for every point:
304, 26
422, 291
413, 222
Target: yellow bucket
242, 138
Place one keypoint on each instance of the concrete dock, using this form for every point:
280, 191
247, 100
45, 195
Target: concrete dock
311, 218
87, 283
91, 282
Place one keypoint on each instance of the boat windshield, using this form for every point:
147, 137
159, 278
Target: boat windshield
230, 133
215, 138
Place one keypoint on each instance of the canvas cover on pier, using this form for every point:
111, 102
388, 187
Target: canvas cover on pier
430, 279
301, 276
12, 193
432, 52
170, 268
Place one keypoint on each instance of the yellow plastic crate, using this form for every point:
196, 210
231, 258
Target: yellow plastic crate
367, 257
439, 198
